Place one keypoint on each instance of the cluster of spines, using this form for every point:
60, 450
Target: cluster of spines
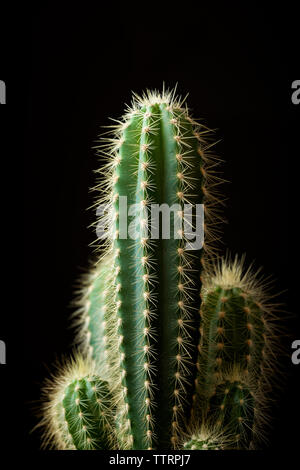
199, 443
205, 436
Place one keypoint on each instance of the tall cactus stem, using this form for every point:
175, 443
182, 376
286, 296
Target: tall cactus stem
157, 158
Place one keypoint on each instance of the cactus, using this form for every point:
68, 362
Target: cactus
236, 351
95, 318
138, 320
206, 436
232, 409
79, 411
87, 410
228, 418
233, 327
157, 157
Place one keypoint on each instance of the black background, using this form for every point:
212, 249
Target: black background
68, 68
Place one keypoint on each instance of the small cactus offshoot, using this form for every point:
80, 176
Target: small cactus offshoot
232, 407
79, 410
200, 443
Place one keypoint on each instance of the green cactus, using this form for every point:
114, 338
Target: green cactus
89, 414
237, 344
228, 417
206, 436
79, 411
138, 321
158, 160
233, 327
232, 409
95, 319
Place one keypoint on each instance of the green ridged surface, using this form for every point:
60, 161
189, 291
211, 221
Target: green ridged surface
151, 343
233, 335
232, 409
99, 332
96, 313
88, 412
